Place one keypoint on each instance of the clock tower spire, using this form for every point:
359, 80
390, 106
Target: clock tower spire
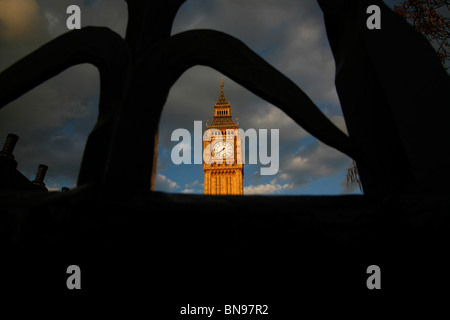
223, 170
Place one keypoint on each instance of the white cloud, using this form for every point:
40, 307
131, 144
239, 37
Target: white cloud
309, 163
270, 117
299, 163
269, 188
162, 183
193, 187
193, 184
322, 161
52, 21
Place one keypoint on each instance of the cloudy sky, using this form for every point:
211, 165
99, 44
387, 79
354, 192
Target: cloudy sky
54, 119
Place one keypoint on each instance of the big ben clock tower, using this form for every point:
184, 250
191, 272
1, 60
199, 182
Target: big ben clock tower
222, 160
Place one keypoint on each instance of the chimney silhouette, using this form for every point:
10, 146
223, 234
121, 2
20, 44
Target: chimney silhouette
8, 148
40, 175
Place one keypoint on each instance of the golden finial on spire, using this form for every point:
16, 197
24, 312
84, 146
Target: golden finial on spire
222, 100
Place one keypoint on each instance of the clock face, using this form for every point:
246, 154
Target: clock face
222, 149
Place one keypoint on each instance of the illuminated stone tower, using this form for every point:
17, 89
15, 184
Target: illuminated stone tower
222, 159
